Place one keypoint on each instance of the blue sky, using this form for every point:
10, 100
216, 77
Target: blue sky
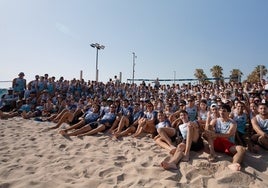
171, 36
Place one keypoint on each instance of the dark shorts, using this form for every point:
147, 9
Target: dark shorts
240, 137
196, 146
94, 125
76, 118
174, 138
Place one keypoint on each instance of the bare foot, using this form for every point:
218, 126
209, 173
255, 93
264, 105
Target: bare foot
63, 132
234, 166
24, 115
172, 151
169, 166
54, 127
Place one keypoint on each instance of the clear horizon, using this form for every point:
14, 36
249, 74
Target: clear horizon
170, 39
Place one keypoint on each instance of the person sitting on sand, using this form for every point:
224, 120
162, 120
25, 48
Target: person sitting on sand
189, 131
69, 114
176, 114
166, 133
90, 116
21, 105
260, 126
221, 139
240, 116
126, 127
124, 116
37, 112
100, 125
148, 122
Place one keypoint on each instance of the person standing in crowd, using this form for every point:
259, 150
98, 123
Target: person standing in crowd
19, 85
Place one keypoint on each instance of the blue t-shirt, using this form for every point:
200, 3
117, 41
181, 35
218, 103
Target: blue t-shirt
91, 117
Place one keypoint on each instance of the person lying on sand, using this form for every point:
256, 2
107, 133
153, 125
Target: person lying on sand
100, 125
90, 116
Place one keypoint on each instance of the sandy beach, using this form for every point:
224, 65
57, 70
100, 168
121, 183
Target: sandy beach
33, 156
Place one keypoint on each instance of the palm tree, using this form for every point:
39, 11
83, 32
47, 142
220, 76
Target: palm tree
236, 75
216, 72
200, 75
257, 74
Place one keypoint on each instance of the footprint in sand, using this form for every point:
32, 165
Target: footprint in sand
203, 169
87, 146
68, 167
106, 172
32, 139
148, 162
62, 146
31, 170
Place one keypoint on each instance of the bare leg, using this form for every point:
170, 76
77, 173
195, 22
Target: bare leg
4, 115
66, 117
100, 128
141, 123
163, 144
192, 136
239, 152
212, 156
126, 132
123, 122
55, 120
178, 155
25, 115
51, 118
166, 133
81, 131
75, 126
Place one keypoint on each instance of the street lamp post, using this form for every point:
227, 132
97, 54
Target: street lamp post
174, 72
98, 47
133, 72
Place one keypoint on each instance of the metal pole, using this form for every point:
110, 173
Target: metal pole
133, 72
97, 70
98, 47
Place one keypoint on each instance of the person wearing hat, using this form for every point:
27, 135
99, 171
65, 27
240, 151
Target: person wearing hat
19, 85
221, 139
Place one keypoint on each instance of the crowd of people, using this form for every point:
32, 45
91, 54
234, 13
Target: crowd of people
227, 117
